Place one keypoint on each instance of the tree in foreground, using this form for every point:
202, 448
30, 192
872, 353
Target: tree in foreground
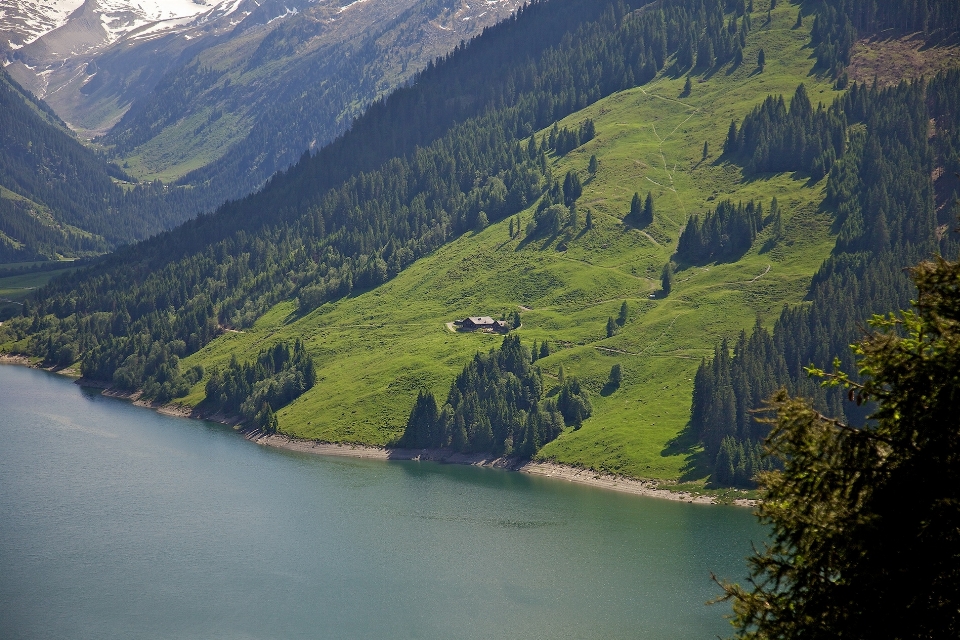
866, 520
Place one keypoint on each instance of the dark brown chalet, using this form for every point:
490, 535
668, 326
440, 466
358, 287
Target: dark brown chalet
484, 323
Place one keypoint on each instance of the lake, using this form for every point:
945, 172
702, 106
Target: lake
118, 522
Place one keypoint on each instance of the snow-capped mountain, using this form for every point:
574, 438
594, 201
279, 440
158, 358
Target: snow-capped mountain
40, 31
25, 21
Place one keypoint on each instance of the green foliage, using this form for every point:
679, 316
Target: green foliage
377, 348
641, 213
496, 405
738, 462
864, 519
616, 376
572, 188
563, 141
612, 327
573, 401
882, 191
725, 233
255, 390
774, 139
666, 278
59, 197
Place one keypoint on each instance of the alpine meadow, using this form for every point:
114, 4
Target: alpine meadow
632, 238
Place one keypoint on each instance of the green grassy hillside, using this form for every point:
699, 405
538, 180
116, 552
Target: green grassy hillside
375, 350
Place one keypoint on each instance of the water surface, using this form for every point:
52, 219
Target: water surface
118, 522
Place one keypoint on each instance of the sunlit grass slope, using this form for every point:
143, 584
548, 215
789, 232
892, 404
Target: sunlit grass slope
375, 350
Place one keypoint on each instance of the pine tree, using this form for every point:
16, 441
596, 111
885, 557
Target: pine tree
636, 207
761, 59
616, 376
666, 279
865, 528
730, 146
647, 217
611, 327
594, 165
624, 313
589, 221
706, 150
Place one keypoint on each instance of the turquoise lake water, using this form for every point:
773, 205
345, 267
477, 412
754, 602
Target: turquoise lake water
118, 522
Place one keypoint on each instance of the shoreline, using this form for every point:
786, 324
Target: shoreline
568, 473
577, 475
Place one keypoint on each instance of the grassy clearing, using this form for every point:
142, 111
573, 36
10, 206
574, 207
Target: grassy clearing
375, 350
14, 289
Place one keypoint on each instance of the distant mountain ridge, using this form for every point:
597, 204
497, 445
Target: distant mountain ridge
218, 97
59, 198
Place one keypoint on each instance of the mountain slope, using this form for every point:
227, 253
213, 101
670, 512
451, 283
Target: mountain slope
245, 85
51, 186
376, 350
367, 260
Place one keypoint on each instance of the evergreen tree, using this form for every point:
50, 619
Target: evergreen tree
544, 349
636, 207
666, 279
611, 327
647, 217
761, 59
616, 376
594, 165
572, 188
730, 146
624, 313
865, 525
589, 220
573, 402
777, 219
706, 150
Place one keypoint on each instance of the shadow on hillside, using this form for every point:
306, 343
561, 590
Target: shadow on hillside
695, 464
609, 389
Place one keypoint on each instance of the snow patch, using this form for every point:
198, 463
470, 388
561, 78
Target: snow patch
288, 12
347, 6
